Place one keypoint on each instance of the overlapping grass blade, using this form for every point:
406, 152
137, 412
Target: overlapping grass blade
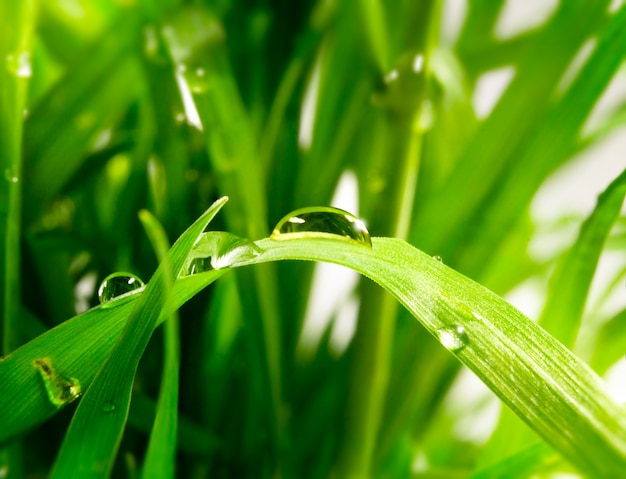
546, 385
91, 442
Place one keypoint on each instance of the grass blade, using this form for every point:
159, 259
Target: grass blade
91, 443
161, 453
545, 384
571, 281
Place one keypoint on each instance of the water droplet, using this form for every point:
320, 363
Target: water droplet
108, 407
426, 116
11, 175
60, 390
391, 76
19, 64
197, 79
118, 285
219, 250
152, 46
453, 338
322, 222
418, 63
438, 258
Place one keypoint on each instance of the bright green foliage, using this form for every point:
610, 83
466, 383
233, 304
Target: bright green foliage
118, 114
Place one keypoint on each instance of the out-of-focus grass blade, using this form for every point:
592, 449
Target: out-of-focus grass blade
550, 388
16, 21
544, 151
522, 465
571, 280
90, 445
610, 343
55, 150
162, 446
452, 227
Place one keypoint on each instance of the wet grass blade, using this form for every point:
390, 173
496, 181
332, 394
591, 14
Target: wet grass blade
545, 384
90, 444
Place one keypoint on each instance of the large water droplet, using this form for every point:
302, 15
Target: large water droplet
453, 338
322, 222
60, 390
219, 250
19, 64
438, 258
118, 285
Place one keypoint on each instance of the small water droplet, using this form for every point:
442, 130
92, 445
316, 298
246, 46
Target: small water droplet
60, 390
453, 338
219, 250
322, 222
438, 258
11, 176
108, 407
197, 79
391, 76
118, 285
418, 63
19, 64
426, 116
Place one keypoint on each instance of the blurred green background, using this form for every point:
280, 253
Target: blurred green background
444, 119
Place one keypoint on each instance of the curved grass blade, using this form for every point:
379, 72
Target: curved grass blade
90, 445
544, 383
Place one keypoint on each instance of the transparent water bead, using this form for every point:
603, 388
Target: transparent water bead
20, 65
322, 222
453, 338
117, 285
11, 176
219, 250
60, 390
108, 407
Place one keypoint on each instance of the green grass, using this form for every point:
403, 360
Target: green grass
105, 165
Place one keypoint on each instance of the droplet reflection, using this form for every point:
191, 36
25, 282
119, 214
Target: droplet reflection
322, 222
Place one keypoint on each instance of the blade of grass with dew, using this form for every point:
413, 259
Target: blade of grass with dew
550, 388
91, 442
77, 348
389, 211
571, 281
160, 456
